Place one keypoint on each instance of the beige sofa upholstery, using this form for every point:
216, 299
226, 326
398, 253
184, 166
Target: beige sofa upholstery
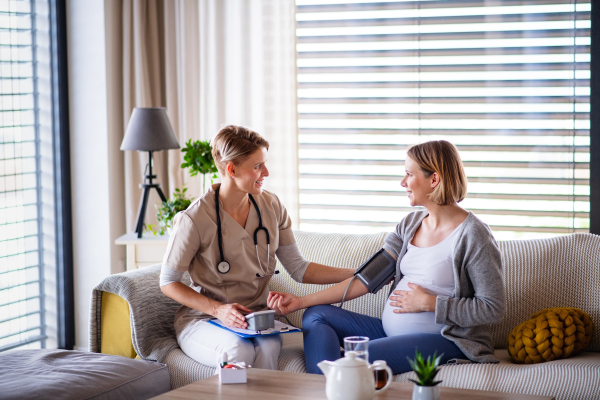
557, 272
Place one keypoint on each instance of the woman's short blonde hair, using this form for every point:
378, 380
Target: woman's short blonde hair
235, 144
442, 157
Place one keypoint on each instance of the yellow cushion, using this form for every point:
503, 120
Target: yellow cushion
550, 334
115, 328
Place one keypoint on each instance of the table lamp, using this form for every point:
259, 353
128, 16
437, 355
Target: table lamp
149, 130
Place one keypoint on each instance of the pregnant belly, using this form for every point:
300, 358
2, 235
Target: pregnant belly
403, 324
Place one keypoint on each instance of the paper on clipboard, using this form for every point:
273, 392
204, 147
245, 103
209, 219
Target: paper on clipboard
280, 328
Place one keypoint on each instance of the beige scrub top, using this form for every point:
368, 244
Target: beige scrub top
194, 247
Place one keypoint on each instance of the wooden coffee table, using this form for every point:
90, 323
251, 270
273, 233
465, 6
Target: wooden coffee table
277, 385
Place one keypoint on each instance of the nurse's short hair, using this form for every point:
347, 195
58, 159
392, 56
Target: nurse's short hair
442, 157
235, 144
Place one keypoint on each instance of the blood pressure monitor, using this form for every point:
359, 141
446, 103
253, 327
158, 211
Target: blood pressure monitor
261, 320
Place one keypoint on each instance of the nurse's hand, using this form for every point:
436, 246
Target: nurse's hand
412, 301
284, 303
230, 315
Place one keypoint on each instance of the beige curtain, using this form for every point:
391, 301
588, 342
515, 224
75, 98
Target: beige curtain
211, 63
160, 59
248, 77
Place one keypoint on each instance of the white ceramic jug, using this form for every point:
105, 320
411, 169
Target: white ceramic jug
352, 379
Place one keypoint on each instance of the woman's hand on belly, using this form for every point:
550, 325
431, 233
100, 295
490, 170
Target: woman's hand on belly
230, 315
412, 301
284, 303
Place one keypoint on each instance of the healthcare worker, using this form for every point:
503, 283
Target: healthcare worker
228, 240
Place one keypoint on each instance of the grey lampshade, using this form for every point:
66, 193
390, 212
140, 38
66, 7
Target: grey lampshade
149, 129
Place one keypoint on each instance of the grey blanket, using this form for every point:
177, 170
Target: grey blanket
151, 312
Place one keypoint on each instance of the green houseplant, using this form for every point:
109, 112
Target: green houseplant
167, 211
198, 159
426, 369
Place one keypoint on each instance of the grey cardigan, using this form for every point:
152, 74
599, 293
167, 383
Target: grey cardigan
478, 299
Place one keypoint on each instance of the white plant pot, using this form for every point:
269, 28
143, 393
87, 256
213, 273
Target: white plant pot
426, 393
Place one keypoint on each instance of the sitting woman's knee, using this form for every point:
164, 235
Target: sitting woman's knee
270, 344
241, 351
315, 314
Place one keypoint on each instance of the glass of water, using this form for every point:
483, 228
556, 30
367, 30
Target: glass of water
359, 345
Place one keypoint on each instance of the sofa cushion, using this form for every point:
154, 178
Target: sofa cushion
550, 334
291, 358
574, 378
562, 271
337, 250
556, 272
184, 370
64, 374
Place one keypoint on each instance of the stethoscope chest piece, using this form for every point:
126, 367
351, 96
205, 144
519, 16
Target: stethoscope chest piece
223, 267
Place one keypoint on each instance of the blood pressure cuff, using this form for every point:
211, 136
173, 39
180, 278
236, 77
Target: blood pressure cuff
377, 271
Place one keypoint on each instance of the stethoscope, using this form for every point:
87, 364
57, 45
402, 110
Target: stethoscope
224, 267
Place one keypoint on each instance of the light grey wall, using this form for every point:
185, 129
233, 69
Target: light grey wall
96, 163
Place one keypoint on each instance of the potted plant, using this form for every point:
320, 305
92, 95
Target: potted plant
198, 159
425, 386
167, 211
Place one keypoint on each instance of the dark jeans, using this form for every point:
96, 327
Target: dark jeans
325, 328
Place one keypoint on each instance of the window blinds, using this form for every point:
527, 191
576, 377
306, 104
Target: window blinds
506, 81
21, 272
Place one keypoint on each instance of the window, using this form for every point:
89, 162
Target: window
28, 219
506, 81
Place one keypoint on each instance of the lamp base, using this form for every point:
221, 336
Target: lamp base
139, 226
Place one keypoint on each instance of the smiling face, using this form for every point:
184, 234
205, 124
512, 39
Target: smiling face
417, 185
250, 174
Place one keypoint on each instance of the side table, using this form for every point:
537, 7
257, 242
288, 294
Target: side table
148, 250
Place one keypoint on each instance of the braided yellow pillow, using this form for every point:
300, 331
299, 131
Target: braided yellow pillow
550, 334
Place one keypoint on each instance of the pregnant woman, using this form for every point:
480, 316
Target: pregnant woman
448, 285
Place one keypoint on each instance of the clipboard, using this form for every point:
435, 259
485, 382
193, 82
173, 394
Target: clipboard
280, 328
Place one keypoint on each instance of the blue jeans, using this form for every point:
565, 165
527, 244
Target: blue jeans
325, 327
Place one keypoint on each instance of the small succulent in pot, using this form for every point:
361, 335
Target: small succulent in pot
425, 386
426, 370
168, 209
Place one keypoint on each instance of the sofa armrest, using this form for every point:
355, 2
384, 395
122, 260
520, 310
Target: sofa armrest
151, 312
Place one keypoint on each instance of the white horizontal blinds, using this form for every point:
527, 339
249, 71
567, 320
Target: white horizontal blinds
21, 293
506, 81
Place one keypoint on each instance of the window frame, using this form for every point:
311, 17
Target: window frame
595, 121
62, 176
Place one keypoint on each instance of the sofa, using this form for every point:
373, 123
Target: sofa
131, 316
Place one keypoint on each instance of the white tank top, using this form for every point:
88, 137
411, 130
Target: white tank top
431, 268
